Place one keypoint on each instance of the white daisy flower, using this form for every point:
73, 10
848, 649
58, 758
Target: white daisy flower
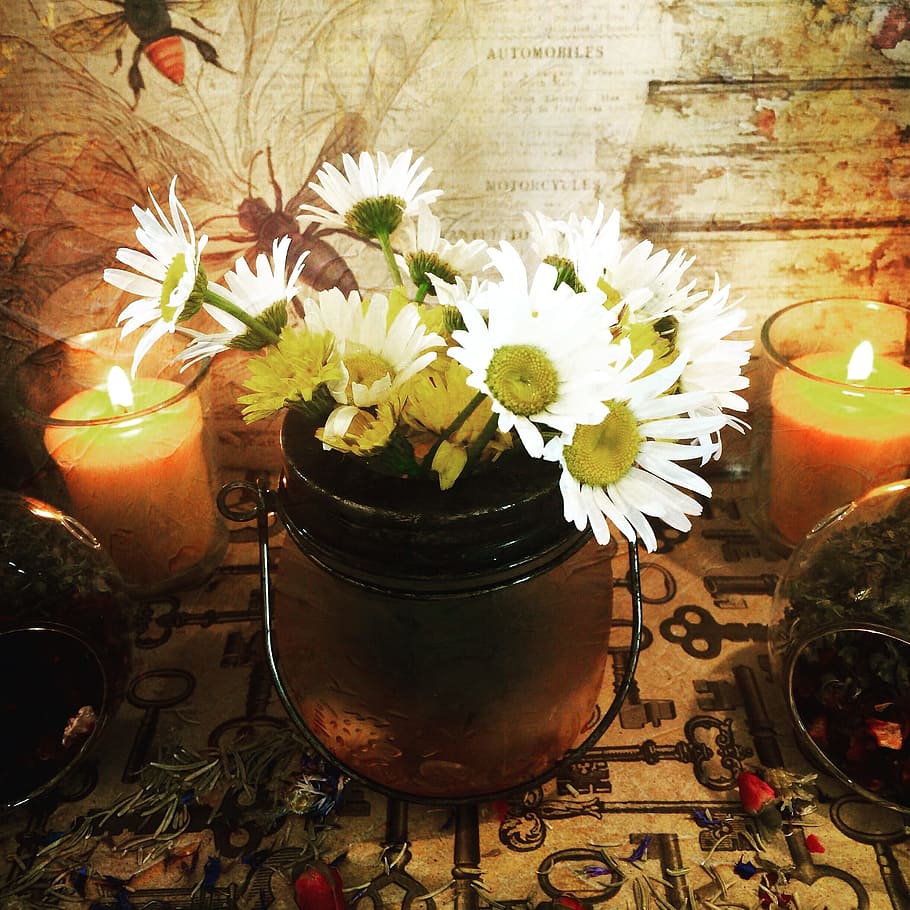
252, 292
165, 277
656, 274
551, 240
431, 259
459, 292
378, 353
643, 283
549, 237
369, 198
714, 359
624, 468
540, 353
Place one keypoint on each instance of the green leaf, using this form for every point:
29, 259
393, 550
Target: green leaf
396, 459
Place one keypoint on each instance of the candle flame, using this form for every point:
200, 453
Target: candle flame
861, 362
119, 388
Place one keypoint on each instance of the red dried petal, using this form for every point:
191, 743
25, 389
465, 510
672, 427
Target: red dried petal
500, 810
754, 793
818, 730
814, 844
859, 748
887, 733
568, 902
318, 887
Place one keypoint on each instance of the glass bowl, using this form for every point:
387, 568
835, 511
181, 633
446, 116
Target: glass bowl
840, 644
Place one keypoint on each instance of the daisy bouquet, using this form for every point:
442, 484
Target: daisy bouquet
590, 350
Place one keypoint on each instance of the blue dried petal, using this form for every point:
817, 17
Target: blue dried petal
704, 820
79, 880
594, 871
744, 869
255, 860
639, 852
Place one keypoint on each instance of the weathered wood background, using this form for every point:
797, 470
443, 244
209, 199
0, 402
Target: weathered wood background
768, 137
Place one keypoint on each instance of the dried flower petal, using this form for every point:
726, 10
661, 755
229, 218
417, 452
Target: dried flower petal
639, 852
500, 810
754, 793
317, 886
813, 844
745, 870
887, 733
568, 902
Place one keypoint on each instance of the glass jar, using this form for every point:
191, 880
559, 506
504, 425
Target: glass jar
840, 644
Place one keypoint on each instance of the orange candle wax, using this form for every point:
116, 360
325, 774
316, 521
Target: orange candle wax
833, 441
141, 483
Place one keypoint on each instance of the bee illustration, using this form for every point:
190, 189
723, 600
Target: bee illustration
263, 223
65, 196
149, 21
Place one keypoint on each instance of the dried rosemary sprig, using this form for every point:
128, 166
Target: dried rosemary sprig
273, 769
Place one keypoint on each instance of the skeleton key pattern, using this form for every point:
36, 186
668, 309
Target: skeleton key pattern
701, 635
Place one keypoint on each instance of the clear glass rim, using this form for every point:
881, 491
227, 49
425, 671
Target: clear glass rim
81, 341
786, 363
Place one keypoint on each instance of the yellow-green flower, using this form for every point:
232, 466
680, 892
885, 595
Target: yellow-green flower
359, 431
435, 398
303, 369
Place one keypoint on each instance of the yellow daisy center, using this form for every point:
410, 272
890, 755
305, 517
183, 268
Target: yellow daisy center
523, 378
366, 368
603, 453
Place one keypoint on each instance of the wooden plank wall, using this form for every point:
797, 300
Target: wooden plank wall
799, 188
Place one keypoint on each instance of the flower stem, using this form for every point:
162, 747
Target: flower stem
455, 425
239, 313
479, 444
386, 244
422, 292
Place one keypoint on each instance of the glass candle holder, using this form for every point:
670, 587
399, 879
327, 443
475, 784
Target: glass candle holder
133, 466
833, 419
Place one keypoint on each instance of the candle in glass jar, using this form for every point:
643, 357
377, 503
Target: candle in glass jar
835, 433
139, 481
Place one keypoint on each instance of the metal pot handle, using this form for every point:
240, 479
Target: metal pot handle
263, 503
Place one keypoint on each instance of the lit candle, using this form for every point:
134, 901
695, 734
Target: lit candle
139, 482
835, 434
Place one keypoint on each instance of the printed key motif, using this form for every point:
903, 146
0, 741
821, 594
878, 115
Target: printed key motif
701, 635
